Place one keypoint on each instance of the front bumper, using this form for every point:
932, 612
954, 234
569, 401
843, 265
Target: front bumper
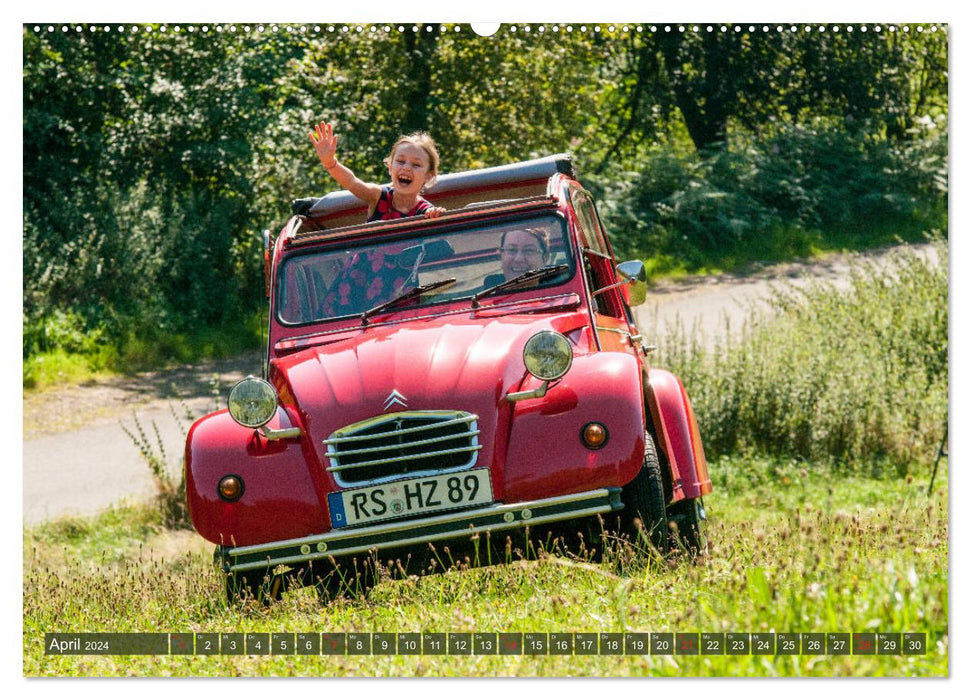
465, 523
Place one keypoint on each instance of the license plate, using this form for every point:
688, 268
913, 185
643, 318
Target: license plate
422, 495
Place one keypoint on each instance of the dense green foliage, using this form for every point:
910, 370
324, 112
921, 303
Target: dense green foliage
853, 377
153, 159
779, 197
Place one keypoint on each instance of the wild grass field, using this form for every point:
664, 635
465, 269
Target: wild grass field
822, 429
793, 550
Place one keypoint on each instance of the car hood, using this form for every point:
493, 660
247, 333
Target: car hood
448, 363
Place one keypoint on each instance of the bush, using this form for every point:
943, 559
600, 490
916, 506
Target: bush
842, 188
141, 281
170, 498
851, 377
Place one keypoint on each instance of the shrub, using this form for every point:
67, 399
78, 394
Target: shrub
170, 498
845, 188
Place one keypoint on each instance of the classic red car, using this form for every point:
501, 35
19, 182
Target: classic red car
444, 380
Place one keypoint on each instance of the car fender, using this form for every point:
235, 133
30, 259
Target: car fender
677, 432
545, 456
279, 500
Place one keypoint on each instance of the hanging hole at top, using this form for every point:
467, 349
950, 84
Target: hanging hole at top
486, 28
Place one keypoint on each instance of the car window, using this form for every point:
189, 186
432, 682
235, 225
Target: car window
587, 216
598, 262
340, 281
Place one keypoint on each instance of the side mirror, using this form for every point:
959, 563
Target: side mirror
635, 291
633, 270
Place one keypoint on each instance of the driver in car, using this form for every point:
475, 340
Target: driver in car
520, 250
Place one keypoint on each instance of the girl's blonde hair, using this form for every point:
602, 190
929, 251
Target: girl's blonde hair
425, 142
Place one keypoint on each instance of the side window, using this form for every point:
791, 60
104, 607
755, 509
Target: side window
605, 246
587, 216
601, 231
597, 260
602, 235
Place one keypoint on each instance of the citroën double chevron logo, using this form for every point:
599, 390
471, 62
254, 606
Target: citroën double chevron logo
395, 398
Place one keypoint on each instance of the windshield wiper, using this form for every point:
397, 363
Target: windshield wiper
407, 296
520, 281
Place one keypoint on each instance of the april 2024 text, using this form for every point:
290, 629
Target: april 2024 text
489, 643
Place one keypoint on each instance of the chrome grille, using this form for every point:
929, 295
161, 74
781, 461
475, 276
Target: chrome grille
410, 443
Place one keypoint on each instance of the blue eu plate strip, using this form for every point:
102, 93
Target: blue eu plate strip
336, 504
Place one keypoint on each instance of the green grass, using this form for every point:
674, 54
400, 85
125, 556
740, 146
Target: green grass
794, 549
56, 367
779, 245
109, 538
150, 349
143, 350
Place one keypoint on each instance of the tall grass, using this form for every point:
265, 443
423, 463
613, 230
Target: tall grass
805, 553
170, 496
851, 377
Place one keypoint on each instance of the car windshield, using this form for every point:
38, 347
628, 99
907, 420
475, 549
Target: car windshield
338, 281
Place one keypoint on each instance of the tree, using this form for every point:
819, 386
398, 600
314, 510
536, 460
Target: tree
878, 82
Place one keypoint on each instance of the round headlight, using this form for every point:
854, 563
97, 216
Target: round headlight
548, 355
252, 402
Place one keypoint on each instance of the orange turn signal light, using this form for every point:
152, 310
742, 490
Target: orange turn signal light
231, 487
594, 435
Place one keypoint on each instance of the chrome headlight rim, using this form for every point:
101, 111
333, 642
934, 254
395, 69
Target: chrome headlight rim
548, 355
250, 416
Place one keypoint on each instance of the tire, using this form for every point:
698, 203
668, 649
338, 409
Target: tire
644, 518
691, 522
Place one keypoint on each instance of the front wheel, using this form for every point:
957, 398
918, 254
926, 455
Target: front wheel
644, 517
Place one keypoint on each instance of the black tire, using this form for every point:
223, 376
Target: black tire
259, 584
644, 518
691, 523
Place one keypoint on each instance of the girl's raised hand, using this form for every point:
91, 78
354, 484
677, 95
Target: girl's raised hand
325, 144
434, 212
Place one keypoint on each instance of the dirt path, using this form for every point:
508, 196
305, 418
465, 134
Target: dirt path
713, 302
78, 459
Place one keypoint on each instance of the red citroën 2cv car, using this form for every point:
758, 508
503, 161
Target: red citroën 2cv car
421, 388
